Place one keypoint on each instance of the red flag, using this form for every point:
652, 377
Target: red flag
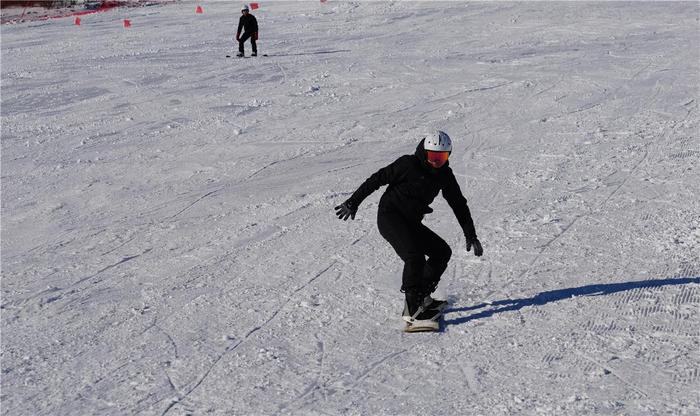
127, 23
254, 6
77, 21
199, 10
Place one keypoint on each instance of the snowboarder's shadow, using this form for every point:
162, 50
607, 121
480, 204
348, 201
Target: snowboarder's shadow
310, 53
507, 305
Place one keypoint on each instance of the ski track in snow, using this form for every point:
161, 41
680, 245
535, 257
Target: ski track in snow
168, 239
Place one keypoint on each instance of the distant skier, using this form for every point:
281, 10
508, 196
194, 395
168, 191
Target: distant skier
414, 182
250, 24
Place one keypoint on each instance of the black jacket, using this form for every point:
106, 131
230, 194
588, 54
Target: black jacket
248, 22
413, 185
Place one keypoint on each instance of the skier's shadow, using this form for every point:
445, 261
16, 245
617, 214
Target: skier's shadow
543, 298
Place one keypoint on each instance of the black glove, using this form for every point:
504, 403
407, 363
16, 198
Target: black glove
478, 250
345, 210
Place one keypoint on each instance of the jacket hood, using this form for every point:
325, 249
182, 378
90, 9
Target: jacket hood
420, 154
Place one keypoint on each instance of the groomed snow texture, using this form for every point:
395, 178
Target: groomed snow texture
168, 239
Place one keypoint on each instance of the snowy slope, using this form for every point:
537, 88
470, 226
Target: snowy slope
168, 239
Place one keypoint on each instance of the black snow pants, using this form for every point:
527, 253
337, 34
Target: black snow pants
413, 241
244, 38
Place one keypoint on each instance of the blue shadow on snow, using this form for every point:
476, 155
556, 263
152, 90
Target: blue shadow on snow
543, 298
309, 53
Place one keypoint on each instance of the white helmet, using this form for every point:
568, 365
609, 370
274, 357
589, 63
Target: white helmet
245, 7
438, 141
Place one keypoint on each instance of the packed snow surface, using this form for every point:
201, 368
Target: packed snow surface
168, 239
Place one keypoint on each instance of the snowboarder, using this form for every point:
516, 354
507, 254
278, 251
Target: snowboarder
414, 182
250, 24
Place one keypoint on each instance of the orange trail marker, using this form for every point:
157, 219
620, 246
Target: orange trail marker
77, 21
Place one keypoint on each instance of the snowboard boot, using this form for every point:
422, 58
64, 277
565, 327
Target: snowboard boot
428, 301
434, 304
239, 54
417, 316
429, 304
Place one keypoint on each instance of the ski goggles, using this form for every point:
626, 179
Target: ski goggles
437, 158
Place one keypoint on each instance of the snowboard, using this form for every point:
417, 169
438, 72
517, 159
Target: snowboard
236, 56
432, 325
